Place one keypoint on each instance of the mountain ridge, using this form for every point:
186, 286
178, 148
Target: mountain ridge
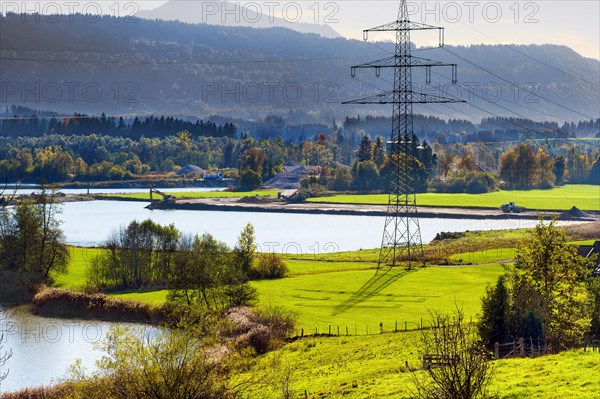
198, 69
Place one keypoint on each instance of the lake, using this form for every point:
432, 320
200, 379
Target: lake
90, 223
44, 348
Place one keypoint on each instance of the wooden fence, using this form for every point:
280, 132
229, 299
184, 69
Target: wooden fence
531, 347
523, 347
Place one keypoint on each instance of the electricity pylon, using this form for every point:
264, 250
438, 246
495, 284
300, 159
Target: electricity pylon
402, 234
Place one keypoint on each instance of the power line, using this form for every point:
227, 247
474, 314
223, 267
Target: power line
189, 50
509, 82
195, 62
530, 56
518, 86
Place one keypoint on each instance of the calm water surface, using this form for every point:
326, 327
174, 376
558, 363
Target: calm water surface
44, 348
90, 223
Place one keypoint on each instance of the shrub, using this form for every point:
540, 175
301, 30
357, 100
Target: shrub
249, 180
268, 267
263, 330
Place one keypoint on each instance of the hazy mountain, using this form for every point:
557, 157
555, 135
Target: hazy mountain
228, 13
112, 65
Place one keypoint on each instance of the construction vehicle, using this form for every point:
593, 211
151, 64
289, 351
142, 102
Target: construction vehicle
511, 207
214, 176
166, 198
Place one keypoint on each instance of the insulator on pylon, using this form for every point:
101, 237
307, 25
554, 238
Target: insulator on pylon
353, 72
365, 35
377, 72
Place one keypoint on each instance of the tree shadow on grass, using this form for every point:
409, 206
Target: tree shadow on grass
375, 285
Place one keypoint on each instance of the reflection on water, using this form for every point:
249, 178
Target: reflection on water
44, 348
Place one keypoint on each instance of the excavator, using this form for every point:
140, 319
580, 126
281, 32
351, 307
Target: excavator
166, 199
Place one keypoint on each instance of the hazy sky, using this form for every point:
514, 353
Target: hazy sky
573, 23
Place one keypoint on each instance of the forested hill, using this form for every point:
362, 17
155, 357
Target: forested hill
122, 67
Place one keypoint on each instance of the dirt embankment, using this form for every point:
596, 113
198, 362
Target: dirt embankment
274, 206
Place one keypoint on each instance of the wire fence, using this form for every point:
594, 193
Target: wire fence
334, 330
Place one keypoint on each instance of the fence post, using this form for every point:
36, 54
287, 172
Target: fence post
421, 323
346, 331
405, 326
522, 346
396, 327
302, 333
380, 328
329, 330
338, 330
532, 348
497, 350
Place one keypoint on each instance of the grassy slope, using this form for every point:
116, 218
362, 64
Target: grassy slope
362, 299
202, 194
586, 197
375, 367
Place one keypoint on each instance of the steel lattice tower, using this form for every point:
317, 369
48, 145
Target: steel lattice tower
402, 235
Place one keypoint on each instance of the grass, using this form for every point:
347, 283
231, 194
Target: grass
361, 299
374, 366
585, 197
201, 194
149, 297
74, 279
342, 289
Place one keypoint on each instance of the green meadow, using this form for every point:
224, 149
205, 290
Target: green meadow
583, 196
201, 194
375, 366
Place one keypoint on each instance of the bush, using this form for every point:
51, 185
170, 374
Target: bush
249, 180
263, 330
469, 182
269, 267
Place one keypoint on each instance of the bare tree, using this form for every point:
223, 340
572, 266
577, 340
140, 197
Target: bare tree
4, 354
455, 364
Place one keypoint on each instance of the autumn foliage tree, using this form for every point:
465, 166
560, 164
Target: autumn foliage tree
523, 168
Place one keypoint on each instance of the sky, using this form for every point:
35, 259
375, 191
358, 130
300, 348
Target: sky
574, 23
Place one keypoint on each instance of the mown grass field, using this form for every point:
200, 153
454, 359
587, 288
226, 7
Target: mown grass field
201, 194
374, 366
585, 197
